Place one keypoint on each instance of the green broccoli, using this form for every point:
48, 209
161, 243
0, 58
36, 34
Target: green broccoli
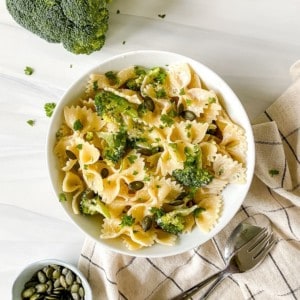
136, 82
91, 205
114, 107
116, 144
173, 221
192, 175
79, 25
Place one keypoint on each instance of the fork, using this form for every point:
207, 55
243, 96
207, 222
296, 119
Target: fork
250, 255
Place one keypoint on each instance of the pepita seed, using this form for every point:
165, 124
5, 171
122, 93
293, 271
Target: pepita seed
180, 109
41, 287
41, 277
81, 292
75, 296
149, 104
50, 286
65, 271
28, 292
135, 185
62, 280
74, 288
188, 115
70, 154
176, 202
35, 296
146, 223
56, 283
31, 283
104, 173
145, 151
69, 278
78, 279
49, 272
56, 274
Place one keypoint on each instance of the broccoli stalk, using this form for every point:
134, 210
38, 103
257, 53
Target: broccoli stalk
192, 175
172, 222
92, 206
79, 25
114, 107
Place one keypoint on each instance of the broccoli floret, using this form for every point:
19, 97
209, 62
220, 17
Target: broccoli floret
116, 144
136, 82
92, 206
79, 25
173, 221
114, 107
192, 175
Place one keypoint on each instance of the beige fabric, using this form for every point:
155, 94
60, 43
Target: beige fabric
277, 137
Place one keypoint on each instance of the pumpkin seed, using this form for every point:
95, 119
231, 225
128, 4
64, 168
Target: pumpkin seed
69, 278
146, 223
56, 283
49, 272
50, 286
75, 296
74, 288
28, 292
145, 151
176, 202
31, 283
180, 109
135, 185
64, 271
81, 292
149, 104
104, 173
62, 280
41, 287
56, 274
188, 115
70, 154
35, 296
41, 277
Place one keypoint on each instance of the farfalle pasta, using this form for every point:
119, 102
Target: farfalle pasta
149, 150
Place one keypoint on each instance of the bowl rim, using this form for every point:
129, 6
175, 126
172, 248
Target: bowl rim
249, 134
27, 271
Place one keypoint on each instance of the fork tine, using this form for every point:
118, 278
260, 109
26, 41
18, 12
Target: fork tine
255, 239
261, 243
271, 243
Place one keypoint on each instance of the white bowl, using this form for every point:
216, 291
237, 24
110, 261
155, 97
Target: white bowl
31, 269
234, 194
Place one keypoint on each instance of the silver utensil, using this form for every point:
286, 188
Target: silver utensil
245, 249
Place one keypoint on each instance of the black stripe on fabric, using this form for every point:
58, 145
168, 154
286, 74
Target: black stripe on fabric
252, 296
268, 143
219, 250
292, 132
283, 277
249, 291
98, 267
289, 293
283, 173
188, 260
162, 272
89, 267
126, 266
285, 212
244, 209
206, 260
284, 138
279, 209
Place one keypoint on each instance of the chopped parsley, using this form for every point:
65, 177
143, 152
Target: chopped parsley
89, 136
198, 211
28, 70
112, 77
49, 108
62, 197
273, 172
211, 100
77, 125
188, 102
167, 120
127, 220
161, 93
31, 122
79, 146
182, 91
95, 85
132, 158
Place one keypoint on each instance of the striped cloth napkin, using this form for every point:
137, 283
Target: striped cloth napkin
275, 192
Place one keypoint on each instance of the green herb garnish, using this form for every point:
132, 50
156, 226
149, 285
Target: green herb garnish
28, 70
49, 108
273, 172
31, 122
127, 220
77, 125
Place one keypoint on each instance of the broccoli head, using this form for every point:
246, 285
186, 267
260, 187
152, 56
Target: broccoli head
91, 205
116, 144
172, 222
193, 175
114, 107
79, 25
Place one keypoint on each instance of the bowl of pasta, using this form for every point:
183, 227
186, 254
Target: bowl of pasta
150, 153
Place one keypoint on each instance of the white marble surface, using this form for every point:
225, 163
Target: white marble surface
250, 43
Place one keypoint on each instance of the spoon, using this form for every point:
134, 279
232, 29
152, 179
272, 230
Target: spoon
243, 233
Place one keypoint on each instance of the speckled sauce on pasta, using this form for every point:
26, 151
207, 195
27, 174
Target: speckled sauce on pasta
149, 146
